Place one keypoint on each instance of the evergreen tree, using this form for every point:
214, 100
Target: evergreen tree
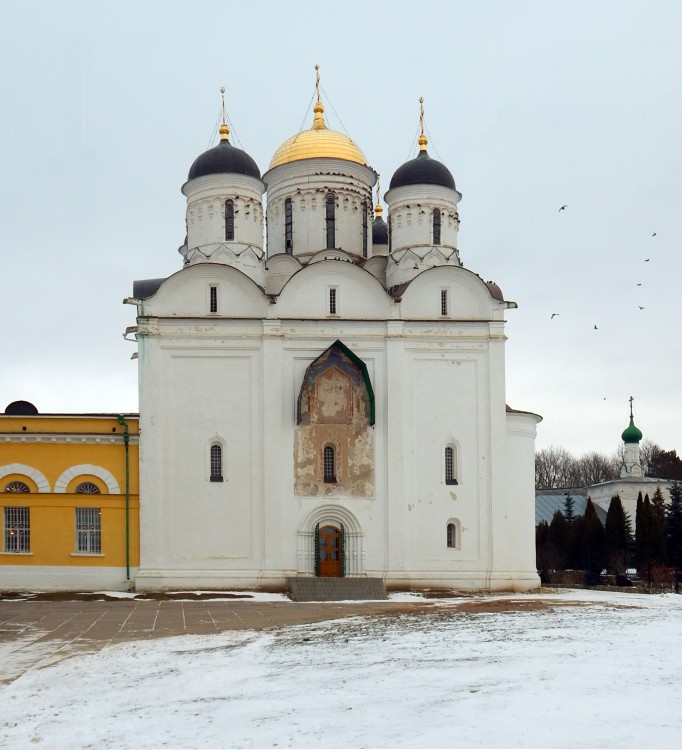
576, 533
639, 533
658, 506
541, 557
557, 541
569, 513
631, 540
649, 539
673, 529
593, 540
658, 552
616, 537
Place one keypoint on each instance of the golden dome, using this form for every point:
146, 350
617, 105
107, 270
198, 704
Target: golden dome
318, 142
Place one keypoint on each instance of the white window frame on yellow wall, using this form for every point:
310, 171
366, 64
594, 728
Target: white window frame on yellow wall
88, 531
17, 530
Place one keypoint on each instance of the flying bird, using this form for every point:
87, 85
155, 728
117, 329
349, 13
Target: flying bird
646, 260
654, 234
595, 328
639, 284
563, 208
554, 316
640, 307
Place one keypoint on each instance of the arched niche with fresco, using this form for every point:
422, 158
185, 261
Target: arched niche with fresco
334, 436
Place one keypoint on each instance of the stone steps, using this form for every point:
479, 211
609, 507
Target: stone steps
309, 589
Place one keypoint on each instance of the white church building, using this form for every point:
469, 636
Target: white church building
329, 401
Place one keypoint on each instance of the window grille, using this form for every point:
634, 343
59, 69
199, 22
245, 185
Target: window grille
213, 299
89, 531
330, 216
451, 535
87, 488
17, 530
332, 301
329, 465
216, 463
229, 220
443, 301
450, 466
436, 226
288, 227
365, 211
17, 487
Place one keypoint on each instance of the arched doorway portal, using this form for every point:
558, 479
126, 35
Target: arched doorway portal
330, 551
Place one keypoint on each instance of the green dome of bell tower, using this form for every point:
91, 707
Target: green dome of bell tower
631, 434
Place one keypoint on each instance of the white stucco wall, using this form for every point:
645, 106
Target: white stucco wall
235, 378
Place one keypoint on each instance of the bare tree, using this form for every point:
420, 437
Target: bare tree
648, 450
554, 468
594, 468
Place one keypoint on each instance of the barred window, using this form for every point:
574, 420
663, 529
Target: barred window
17, 529
443, 301
330, 220
213, 299
450, 477
229, 220
329, 465
216, 463
17, 487
87, 488
451, 535
436, 226
288, 227
89, 531
332, 301
365, 212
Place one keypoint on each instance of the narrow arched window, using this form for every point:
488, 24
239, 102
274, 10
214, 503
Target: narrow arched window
330, 219
229, 220
87, 488
450, 477
216, 463
443, 301
365, 212
288, 227
451, 535
436, 226
390, 235
329, 464
17, 487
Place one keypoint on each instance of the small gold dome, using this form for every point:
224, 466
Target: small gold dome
318, 142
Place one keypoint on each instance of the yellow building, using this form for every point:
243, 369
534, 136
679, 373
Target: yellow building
70, 500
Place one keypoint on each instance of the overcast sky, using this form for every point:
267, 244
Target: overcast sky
532, 106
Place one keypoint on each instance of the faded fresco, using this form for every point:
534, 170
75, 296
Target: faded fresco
334, 412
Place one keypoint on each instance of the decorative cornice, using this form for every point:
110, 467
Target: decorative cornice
65, 438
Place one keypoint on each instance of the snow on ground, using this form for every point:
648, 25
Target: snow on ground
602, 674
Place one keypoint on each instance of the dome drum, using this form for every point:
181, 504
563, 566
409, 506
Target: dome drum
211, 221
297, 207
423, 216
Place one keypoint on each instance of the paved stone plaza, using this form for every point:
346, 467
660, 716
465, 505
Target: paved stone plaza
36, 633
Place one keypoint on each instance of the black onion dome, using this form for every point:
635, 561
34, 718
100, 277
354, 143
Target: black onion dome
379, 232
223, 159
422, 170
20, 409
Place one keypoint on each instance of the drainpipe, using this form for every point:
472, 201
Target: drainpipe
126, 440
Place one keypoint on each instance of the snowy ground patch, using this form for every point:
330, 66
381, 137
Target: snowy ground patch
603, 673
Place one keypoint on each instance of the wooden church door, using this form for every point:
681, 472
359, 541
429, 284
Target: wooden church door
330, 552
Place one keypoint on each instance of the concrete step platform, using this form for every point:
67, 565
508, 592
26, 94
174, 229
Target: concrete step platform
310, 589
